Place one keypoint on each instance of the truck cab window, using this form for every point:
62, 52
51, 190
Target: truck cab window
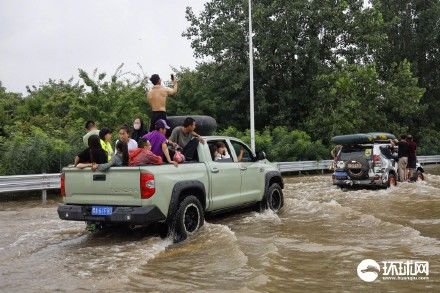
242, 151
220, 151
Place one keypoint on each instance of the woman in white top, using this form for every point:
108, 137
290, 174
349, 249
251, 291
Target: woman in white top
124, 136
221, 151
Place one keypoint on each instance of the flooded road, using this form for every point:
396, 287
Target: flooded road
314, 244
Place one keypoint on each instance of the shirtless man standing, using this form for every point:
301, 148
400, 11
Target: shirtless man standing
157, 98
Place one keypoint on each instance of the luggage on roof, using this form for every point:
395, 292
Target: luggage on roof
382, 136
361, 138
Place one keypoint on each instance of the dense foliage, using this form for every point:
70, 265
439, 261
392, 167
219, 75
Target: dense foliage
280, 144
42, 132
321, 68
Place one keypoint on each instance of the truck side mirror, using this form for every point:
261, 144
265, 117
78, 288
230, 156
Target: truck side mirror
261, 155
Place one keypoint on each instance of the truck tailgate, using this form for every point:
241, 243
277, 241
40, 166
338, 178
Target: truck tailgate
118, 186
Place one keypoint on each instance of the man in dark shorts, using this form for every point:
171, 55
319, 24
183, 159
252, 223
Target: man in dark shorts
412, 158
157, 98
402, 156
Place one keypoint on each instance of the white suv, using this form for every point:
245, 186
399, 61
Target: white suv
372, 164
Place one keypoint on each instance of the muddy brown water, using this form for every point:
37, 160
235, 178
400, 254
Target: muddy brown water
314, 244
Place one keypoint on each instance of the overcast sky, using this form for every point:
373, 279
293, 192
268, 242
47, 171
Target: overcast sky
42, 39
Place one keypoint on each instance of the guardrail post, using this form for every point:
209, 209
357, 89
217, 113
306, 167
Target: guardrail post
44, 196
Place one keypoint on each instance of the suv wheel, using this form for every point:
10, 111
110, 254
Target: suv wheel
420, 176
392, 181
273, 199
188, 219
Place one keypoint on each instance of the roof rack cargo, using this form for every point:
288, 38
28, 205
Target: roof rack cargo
362, 138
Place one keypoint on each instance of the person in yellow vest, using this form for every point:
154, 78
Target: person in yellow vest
105, 135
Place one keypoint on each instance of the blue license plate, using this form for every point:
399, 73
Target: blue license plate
341, 175
101, 211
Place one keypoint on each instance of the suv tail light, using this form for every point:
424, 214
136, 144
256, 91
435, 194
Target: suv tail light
148, 186
376, 160
63, 186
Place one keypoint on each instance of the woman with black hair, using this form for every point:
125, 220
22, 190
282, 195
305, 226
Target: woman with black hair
138, 129
106, 141
93, 154
119, 159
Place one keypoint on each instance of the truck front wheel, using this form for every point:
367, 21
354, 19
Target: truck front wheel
273, 199
188, 219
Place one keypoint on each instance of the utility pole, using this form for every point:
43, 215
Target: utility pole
251, 79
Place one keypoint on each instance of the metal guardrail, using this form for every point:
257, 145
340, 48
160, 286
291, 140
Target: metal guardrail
41, 182
325, 164
46, 182
429, 159
304, 166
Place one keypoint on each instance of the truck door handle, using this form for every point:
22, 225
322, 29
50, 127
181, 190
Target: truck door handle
243, 168
99, 177
214, 170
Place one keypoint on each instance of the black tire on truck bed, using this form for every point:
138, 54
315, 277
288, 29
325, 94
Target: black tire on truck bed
206, 125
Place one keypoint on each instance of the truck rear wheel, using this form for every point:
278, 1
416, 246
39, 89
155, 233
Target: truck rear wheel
188, 219
273, 199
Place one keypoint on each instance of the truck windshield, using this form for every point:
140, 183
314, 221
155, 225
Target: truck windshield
350, 152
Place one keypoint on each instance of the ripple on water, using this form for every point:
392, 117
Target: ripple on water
114, 260
314, 244
267, 216
191, 264
355, 228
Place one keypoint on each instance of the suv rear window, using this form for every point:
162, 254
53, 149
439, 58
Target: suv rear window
350, 152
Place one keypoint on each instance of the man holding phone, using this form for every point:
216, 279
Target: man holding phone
157, 98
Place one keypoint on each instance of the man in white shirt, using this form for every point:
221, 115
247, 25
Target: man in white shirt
91, 129
124, 135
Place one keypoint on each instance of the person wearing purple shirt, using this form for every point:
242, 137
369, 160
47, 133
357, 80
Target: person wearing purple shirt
159, 141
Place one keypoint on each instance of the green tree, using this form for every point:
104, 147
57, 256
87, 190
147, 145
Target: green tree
43, 130
281, 144
354, 98
9, 102
349, 100
413, 32
30, 150
294, 41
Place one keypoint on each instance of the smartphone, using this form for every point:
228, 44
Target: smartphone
172, 77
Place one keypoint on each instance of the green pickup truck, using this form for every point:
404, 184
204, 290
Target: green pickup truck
176, 197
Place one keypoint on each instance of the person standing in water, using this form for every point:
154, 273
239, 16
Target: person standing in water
157, 98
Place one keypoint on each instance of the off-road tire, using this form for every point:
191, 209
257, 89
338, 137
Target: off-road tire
420, 176
188, 218
273, 198
205, 125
